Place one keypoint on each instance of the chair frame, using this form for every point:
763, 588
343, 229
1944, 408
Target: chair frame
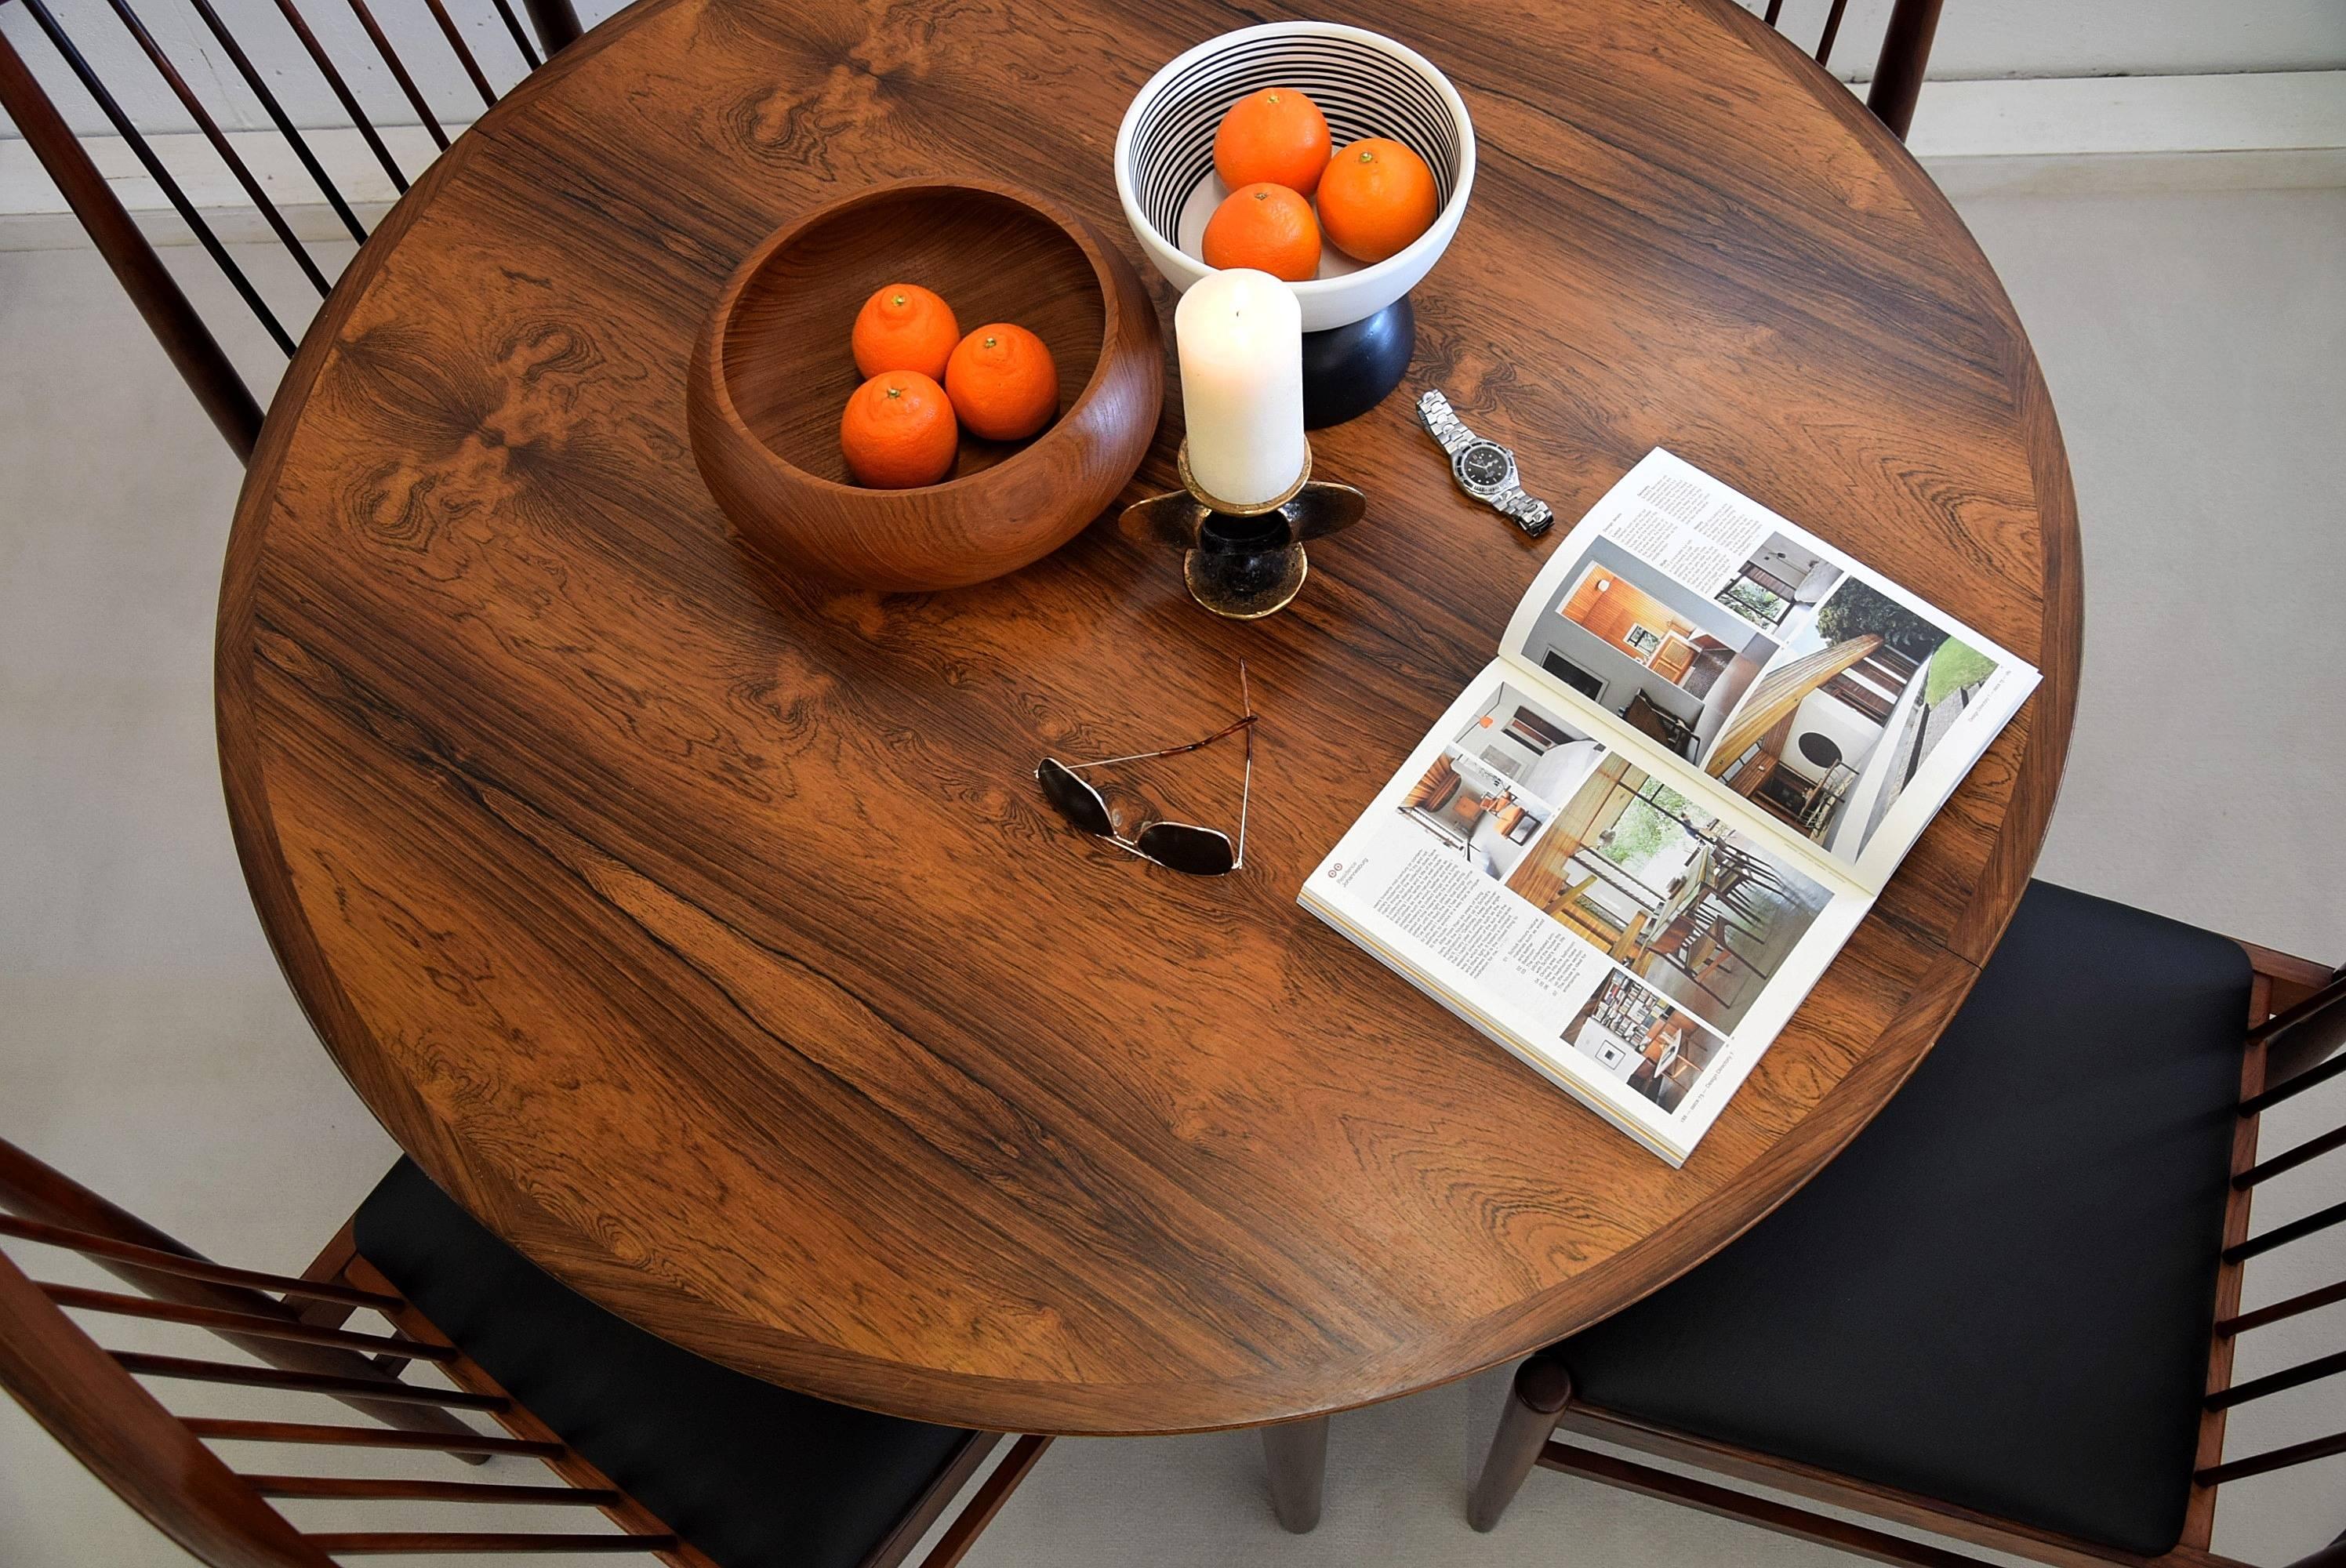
2297, 1018
184, 337
1897, 83
91, 1400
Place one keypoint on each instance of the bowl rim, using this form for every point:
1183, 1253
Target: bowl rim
1314, 287
728, 299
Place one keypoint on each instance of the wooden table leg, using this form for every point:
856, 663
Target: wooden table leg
1543, 1387
1297, 1454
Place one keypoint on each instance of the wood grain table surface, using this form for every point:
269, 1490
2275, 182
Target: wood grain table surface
707, 936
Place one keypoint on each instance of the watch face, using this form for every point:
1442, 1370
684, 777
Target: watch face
1484, 463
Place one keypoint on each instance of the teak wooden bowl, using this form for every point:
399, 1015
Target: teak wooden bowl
772, 372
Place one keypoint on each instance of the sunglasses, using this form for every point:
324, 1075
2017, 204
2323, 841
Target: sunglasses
1176, 846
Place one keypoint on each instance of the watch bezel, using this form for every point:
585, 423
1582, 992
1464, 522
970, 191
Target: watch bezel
1478, 487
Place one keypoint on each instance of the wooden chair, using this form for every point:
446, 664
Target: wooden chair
697, 1466
2007, 1313
1905, 55
190, 344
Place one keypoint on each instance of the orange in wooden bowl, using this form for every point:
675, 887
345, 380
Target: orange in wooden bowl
1266, 226
1277, 137
768, 379
904, 326
898, 431
1376, 198
1003, 383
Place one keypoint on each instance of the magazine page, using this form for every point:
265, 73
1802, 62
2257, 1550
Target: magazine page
1636, 945
1828, 697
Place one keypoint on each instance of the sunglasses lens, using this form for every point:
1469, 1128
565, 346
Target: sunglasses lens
1077, 802
1201, 852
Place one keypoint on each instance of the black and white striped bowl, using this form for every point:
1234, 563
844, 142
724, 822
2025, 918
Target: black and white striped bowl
1365, 83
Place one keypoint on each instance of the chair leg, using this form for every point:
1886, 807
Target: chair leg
1297, 1454
1542, 1388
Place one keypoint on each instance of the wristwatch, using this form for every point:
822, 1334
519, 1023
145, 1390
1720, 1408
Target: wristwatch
1483, 469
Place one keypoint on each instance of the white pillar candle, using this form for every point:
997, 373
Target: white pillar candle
1241, 337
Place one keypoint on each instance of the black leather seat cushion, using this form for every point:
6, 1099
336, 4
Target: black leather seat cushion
753, 1475
2000, 1294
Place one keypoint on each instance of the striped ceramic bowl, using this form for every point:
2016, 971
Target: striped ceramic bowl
1365, 83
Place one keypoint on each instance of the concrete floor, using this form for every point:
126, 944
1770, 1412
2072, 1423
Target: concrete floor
2193, 343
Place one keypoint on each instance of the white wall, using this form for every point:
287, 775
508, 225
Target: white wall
1991, 39
1976, 38
1855, 734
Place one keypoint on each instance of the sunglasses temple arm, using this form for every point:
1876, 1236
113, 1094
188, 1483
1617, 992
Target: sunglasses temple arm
1246, 792
1228, 730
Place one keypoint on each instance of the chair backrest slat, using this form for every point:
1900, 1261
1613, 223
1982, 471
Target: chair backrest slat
341, 91
1898, 72
146, 1455
107, 105
54, 1210
219, 144
2272, 1459
520, 34
193, 347
391, 59
1831, 30
2276, 1382
185, 339
2284, 1056
258, 85
2288, 1088
319, 1435
190, 1369
141, 1265
222, 1322
421, 1542
101, 1404
464, 52
383, 1489
2303, 1043
2289, 1159
2309, 1301
2282, 1235
556, 22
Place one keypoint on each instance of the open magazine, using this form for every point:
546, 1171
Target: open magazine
1638, 836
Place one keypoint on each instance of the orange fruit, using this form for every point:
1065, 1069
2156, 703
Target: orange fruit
1268, 226
1376, 198
898, 431
1003, 383
904, 327
1275, 136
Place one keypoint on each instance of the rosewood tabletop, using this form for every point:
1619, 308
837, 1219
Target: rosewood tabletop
704, 932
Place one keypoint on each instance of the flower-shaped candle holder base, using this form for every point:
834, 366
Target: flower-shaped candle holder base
1245, 562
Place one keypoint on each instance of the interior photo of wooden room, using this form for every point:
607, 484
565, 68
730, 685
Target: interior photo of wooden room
1780, 586
1637, 1035
1496, 785
1694, 907
1670, 662
1839, 725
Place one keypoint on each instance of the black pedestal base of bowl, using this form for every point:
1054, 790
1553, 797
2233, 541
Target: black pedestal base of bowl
1348, 371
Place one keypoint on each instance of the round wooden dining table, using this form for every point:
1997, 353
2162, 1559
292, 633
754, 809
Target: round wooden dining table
704, 932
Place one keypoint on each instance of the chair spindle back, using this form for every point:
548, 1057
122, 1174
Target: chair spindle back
96, 1402
194, 349
1905, 53
2294, 1050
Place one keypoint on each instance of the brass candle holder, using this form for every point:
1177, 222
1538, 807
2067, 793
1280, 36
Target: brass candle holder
1244, 563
